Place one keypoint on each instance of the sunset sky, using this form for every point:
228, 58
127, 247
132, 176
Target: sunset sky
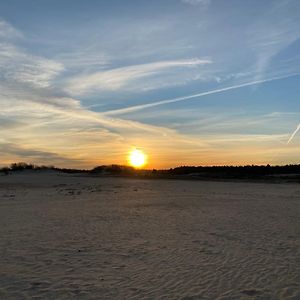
189, 82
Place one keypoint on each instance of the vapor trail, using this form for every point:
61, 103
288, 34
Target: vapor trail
184, 98
293, 134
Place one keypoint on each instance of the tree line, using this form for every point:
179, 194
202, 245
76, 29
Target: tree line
218, 171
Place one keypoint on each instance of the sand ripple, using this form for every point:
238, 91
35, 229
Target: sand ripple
65, 237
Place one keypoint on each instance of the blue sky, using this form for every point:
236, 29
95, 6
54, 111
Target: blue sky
188, 81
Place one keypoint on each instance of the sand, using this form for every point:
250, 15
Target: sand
80, 237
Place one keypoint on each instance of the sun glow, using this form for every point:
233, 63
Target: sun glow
137, 158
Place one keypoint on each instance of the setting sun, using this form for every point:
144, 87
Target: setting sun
137, 158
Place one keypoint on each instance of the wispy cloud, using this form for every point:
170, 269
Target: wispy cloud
273, 32
40, 157
87, 58
45, 115
18, 66
7, 31
122, 77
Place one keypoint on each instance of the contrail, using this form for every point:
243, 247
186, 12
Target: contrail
167, 101
293, 134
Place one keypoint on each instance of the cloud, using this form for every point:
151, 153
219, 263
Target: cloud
18, 66
67, 109
274, 31
7, 31
8, 123
88, 58
47, 119
38, 156
118, 78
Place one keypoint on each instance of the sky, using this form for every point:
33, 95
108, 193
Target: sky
189, 82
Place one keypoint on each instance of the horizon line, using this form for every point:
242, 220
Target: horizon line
37, 167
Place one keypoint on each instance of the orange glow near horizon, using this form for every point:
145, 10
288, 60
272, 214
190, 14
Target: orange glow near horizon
137, 158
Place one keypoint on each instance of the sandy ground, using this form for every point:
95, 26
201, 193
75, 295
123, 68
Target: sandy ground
71, 237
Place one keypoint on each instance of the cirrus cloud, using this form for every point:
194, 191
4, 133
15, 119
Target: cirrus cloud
123, 77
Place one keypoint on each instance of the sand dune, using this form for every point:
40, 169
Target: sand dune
80, 237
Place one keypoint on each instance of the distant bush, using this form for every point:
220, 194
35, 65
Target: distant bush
114, 170
236, 170
21, 166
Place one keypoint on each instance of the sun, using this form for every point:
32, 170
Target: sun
137, 158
